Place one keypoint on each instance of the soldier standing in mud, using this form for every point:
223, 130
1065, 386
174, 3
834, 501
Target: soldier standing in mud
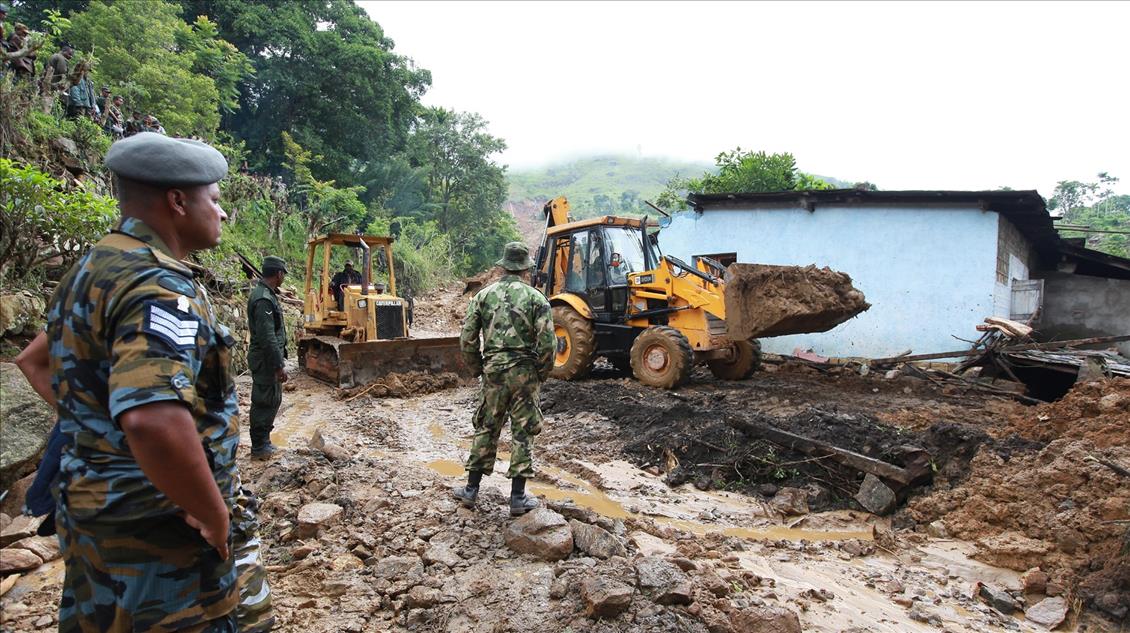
140, 370
516, 356
267, 355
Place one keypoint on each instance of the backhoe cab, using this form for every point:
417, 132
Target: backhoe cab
613, 294
366, 337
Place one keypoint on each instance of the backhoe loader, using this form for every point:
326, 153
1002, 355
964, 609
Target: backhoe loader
366, 336
614, 295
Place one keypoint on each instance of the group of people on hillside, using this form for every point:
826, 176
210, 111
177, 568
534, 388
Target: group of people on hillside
71, 86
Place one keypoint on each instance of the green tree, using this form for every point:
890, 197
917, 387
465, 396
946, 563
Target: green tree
323, 205
325, 73
465, 187
743, 172
1095, 206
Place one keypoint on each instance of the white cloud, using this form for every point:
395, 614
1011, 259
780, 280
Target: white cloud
906, 95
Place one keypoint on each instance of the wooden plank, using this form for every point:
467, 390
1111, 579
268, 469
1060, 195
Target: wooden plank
813, 447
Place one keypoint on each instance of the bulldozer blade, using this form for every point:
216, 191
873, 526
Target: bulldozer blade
763, 300
348, 365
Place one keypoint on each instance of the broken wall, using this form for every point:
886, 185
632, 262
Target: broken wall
929, 271
1081, 306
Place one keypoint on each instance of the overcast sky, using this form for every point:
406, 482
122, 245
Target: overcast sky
967, 95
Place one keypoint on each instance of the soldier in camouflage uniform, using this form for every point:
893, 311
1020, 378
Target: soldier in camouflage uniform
515, 358
266, 355
140, 369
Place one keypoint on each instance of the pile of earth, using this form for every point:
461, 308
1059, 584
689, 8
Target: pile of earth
1063, 506
403, 385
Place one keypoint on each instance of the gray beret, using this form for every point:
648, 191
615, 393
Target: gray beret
160, 160
270, 262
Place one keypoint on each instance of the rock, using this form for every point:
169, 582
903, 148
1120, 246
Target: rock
302, 551
875, 496
920, 613
1034, 581
1113, 402
335, 453
315, 516
441, 553
21, 313
542, 533
560, 588
5, 521
21, 527
663, 582
595, 541
44, 621
937, 529
818, 496
396, 568
767, 490
345, 562
13, 504
1012, 550
13, 560
1054, 589
1048, 613
65, 145
27, 422
790, 501
765, 619
998, 599
605, 597
649, 545
7, 583
45, 547
421, 597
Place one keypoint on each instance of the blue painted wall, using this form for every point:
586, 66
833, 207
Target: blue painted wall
928, 272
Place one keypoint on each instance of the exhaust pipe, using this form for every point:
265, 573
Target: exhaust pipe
366, 268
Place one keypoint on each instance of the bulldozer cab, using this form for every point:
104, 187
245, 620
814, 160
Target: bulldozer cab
344, 275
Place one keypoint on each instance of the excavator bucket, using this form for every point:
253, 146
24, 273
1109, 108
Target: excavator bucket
348, 365
763, 300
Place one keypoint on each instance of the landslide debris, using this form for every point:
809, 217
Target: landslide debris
764, 300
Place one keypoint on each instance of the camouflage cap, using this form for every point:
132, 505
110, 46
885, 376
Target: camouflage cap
160, 160
272, 263
515, 258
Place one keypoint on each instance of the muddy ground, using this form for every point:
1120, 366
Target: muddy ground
759, 538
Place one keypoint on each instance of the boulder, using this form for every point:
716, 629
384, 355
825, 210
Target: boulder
542, 533
998, 599
25, 424
45, 547
765, 619
875, 496
605, 597
663, 582
21, 527
21, 313
315, 516
1048, 613
790, 501
14, 560
596, 541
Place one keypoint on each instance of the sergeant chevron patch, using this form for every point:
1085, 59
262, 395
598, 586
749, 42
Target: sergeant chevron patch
181, 333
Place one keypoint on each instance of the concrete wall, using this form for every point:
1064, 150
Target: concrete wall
1015, 259
928, 271
1079, 306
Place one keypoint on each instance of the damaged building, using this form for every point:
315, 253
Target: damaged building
933, 264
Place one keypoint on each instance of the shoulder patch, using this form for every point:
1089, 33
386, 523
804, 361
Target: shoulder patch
170, 326
177, 284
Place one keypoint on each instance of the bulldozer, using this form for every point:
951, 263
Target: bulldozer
366, 336
613, 294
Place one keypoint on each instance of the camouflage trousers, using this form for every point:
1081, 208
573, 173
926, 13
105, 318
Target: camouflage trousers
154, 574
510, 394
254, 613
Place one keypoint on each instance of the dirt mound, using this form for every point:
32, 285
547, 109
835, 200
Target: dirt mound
441, 311
403, 385
1094, 411
763, 300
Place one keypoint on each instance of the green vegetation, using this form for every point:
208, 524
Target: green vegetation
744, 172
601, 185
1094, 205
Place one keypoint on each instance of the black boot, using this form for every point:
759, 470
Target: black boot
467, 494
520, 502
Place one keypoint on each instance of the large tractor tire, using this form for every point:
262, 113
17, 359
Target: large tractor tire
575, 344
746, 360
662, 357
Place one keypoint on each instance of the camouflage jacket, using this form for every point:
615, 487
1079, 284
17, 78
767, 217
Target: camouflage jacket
129, 326
267, 350
516, 326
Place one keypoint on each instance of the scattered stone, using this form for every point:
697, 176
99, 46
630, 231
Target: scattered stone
345, 562
790, 501
542, 533
335, 453
1048, 613
21, 527
317, 441
7, 583
684, 564
875, 496
302, 551
605, 597
1113, 402
767, 490
21, 313
421, 597
1053, 589
398, 567
44, 621
441, 553
13, 504
663, 582
765, 619
998, 599
596, 541
649, 545
5, 521
315, 516
45, 547
937, 529
1034, 581
14, 560
920, 613
560, 588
